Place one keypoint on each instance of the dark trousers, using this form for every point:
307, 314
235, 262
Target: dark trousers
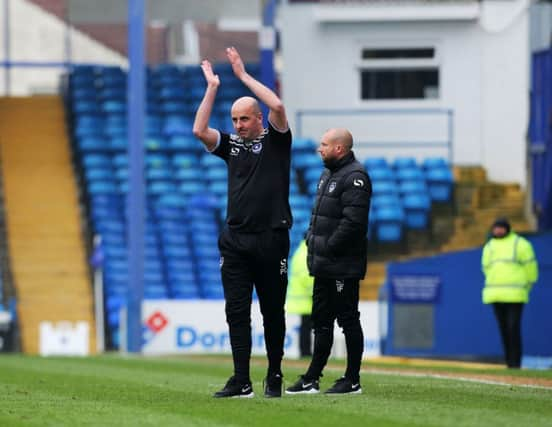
508, 316
260, 260
305, 342
336, 299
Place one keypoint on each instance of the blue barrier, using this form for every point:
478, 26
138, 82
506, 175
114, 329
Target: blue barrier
447, 289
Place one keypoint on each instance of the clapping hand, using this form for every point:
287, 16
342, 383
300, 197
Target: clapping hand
211, 78
236, 62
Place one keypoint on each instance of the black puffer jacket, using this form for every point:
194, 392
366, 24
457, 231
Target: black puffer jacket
336, 237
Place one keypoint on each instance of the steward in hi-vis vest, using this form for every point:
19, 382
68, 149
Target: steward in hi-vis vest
299, 296
510, 269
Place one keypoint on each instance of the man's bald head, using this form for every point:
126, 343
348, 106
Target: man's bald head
247, 103
342, 137
335, 144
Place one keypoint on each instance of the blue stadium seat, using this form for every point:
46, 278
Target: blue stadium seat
303, 145
103, 187
380, 174
177, 125
388, 224
88, 126
218, 188
120, 160
305, 160
113, 106
186, 143
88, 106
216, 174
313, 173
191, 188
174, 107
98, 174
188, 160
413, 187
410, 174
188, 175
404, 163
416, 208
159, 174
83, 94
209, 160
177, 251
385, 201
188, 291
156, 142
161, 187
440, 183
118, 143
173, 91
91, 160
375, 162
384, 188
312, 188
171, 200
157, 160
168, 212
92, 144
113, 94
435, 162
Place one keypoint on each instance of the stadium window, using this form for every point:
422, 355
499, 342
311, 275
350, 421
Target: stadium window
399, 84
398, 53
399, 73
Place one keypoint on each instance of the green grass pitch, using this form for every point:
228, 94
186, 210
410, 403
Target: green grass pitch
176, 391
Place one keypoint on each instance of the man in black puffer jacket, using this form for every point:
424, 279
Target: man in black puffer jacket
336, 258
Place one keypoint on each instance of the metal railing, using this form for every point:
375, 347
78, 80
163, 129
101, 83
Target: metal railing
443, 140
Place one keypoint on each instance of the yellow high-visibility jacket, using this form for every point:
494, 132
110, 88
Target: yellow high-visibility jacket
510, 269
299, 292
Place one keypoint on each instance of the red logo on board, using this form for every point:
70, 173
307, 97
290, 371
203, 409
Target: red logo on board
157, 322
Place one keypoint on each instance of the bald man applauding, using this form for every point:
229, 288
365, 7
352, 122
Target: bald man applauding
254, 244
336, 242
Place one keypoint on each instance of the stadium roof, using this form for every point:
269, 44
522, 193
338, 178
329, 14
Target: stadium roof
115, 11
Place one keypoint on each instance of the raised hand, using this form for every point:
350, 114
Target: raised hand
235, 60
211, 78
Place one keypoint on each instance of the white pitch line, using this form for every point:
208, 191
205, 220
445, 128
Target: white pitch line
453, 377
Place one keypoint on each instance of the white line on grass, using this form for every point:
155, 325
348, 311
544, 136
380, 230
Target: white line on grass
454, 377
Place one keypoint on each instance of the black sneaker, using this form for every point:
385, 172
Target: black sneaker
304, 386
233, 388
273, 385
345, 386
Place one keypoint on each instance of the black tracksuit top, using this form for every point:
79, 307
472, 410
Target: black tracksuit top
258, 180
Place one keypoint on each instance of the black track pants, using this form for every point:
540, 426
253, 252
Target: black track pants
336, 299
508, 316
260, 260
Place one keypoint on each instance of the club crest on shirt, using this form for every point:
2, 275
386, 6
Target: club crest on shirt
332, 186
256, 148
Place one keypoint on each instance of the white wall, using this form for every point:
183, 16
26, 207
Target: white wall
40, 37
483, 61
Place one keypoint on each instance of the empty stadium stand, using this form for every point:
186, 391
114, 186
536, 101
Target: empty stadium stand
48, 260
186, 187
